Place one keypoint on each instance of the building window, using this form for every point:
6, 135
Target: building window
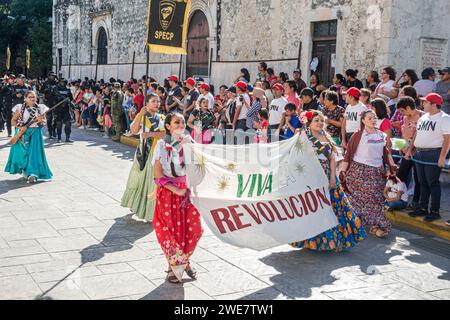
102, 47
325, 29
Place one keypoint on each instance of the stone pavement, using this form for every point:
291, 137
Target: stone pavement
70, 239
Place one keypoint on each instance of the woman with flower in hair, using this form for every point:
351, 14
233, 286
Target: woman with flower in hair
176, 220
349, 231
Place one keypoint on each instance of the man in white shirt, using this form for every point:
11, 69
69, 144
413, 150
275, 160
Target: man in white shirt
276, 107
352, 118
243, 104
432, 144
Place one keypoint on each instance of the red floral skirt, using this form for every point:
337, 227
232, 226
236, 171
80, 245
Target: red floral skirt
177, 225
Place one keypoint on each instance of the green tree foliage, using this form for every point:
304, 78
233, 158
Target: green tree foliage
25, 23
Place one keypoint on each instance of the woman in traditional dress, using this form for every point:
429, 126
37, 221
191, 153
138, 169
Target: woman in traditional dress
349, 231
201, 122
177, 222
27, 155
140, 187
364, 172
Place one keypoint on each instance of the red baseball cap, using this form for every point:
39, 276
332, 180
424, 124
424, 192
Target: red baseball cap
278, 86
354, 92
173, 78
434, 98
205, 86
241, 85
190, 81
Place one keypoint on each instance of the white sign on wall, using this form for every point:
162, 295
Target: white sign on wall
434, 53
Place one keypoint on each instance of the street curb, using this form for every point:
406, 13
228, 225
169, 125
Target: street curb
129, 141
437, 228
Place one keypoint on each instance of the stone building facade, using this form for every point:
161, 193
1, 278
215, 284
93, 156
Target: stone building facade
100, 38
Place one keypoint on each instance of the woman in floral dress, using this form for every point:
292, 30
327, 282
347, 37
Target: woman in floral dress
349, 231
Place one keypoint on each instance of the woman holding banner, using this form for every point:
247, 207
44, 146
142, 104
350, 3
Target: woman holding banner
349, 231
176, 220
27, 155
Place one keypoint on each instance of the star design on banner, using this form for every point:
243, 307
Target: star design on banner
231, 167
300, 168
224, 183
200, 164
299, 145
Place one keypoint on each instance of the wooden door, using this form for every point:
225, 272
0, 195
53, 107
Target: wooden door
325, 51
197, 62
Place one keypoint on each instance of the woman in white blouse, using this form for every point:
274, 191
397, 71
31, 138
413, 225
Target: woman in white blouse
27, 154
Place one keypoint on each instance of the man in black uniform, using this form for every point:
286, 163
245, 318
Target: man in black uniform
62, 113
7, 93
50, 99
3, 83
19, 90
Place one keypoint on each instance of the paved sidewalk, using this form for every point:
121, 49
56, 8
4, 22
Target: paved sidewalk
70, 239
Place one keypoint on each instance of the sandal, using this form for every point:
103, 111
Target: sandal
381, 233
172, 278
373, 231
191, 272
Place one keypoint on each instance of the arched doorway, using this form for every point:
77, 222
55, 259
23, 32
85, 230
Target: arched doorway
102, 47
197, 61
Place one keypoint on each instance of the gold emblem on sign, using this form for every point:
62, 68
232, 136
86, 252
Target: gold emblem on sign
166, 13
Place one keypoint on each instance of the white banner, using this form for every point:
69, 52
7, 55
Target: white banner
260, 196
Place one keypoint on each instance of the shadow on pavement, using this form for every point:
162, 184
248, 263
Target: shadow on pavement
303, 270
120, 237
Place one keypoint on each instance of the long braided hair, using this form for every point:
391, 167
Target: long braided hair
168, 139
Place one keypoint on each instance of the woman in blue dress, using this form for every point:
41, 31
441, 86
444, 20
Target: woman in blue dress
27, 155
349, 231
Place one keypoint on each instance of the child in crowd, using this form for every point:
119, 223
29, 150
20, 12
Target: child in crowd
396, 194
290, 123
262, 127
107, 120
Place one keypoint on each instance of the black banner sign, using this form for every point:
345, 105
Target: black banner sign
167, 25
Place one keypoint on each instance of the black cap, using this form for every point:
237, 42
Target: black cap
232, 89
307, 92
297, 71
445, 70
21, 76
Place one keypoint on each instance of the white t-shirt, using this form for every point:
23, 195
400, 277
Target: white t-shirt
210, 98
388, 86
276, 110
353, 117
424, 87
26, 115
244, 110
370, 149
431, 130
395, 188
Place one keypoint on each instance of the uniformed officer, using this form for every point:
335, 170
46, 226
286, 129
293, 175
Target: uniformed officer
19, 90
3, 83
7, 93
117, 110
49, 90
62, 113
